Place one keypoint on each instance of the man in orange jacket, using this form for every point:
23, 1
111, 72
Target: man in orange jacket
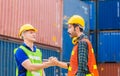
82, 61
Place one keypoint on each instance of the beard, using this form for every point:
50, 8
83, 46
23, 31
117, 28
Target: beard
73, 34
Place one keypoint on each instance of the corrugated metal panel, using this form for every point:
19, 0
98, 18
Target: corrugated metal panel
109, 69
64, 72
67, 45
109, 14
93, 41
72, 7
45, 15
7, 63
92, 5
108, 47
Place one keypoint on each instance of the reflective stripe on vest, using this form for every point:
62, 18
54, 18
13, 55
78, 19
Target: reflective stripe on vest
88, 74
35, 58
73, 68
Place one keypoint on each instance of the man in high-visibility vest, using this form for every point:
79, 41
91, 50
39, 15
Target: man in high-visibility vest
82, 61
27, 55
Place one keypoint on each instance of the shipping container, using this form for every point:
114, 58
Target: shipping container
108, 46
7, 61
109, 69
109, 14
67, 46
92, 5
64, 72
45, 15
93, 41
76, 7
88, 0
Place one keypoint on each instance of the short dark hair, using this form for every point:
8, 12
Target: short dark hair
75, 25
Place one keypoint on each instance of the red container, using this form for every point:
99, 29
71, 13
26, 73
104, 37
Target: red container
109, 69
45, 15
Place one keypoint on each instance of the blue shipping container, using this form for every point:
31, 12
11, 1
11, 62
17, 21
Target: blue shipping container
92, 5
76, 7
64, 72
67, 46
93, 41
109, 14
108, 47
7, 62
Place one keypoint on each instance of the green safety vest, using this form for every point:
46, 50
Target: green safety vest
34, 57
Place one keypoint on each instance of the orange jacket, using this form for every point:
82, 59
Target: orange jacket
73, 67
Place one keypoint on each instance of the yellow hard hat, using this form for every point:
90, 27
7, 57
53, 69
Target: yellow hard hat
26, 27
76, 19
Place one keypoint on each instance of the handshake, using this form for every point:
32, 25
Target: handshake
53, 61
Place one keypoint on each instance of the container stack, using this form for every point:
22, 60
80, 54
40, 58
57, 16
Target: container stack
105, 35
108, 54
45, 15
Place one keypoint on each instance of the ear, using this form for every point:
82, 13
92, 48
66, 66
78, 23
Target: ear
22, 35
77, 28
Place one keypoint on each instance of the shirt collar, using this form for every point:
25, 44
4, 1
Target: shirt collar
34, 47
82, 36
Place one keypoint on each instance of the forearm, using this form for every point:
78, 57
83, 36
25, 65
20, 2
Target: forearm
34, 67
62, 65
43, 73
